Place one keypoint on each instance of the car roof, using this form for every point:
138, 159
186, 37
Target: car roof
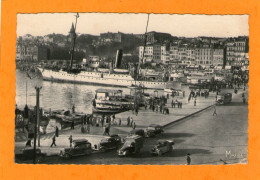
80, 141
136, 130
155, 125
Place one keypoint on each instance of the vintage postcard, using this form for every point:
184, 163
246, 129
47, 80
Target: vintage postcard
129, 89
108, 88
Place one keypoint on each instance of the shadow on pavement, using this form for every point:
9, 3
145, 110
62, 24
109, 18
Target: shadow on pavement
176, 135
184, 152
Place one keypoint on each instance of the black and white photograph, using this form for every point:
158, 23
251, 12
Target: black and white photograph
129, 88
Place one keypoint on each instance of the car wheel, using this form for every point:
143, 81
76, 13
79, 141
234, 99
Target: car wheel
67, 156
103, 150
39, 159
127, 154
159, 153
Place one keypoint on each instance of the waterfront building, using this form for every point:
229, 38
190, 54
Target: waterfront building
165, 54
157, 37
218, 56
174, 56
190, 55
237, 51
204, 55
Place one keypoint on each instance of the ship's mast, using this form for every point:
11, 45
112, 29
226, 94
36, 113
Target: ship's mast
74, 41
145, 39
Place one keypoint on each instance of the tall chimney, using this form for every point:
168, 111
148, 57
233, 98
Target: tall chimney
119, 55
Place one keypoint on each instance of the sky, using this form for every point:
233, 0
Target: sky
95, 23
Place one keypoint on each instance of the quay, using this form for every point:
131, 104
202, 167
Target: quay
142, 120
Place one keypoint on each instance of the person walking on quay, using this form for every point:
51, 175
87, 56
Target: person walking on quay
215, 111
172, 103
57, 132
53, 141
134, 125
73, 108
70, 140
119, 122
195, 102
145, 106
188, 159
244, 100
189, 98
131, 124
180, 104
128, 121
102, 120
72, 125
153, 107
85, 119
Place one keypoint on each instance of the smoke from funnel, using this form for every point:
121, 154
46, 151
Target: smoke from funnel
119, 55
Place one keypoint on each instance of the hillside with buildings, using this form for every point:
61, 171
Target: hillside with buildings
160, 48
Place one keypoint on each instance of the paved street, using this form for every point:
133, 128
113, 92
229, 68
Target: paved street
209, 139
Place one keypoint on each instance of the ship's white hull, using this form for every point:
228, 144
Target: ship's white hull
99, 79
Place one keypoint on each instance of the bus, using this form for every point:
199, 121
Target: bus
224, 98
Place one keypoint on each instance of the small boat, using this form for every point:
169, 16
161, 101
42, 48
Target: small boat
110, 101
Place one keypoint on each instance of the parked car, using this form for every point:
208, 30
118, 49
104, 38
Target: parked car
163, 146
107, 143
139, 132
153, 129
80, 147
28, 153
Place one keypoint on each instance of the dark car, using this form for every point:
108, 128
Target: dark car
139, 132
153, 129
163, 146
27, 154
80, 147
111, 142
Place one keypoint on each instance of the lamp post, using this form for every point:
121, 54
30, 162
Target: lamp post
36, 123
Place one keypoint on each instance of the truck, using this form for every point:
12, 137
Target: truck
132, 145
224, 98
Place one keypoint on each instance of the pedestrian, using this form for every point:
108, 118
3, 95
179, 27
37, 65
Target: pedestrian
131, 124
70, 139
128, 121
180, 104
53, 141
134, 125
215, 111
28, 143
153, 107
189, 98
73, 108
102, 120
119, 122
57, 132
72, 124
145, 106
188, 159
172, 103
85, 119
244, 100
136, 111
195, 102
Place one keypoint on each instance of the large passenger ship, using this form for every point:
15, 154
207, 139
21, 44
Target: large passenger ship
99, 78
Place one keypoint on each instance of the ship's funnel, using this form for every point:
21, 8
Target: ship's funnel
118, 61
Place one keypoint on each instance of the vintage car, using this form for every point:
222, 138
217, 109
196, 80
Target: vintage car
27, 155
139, 132
162, 147
153, 129
111, 142
80, 147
